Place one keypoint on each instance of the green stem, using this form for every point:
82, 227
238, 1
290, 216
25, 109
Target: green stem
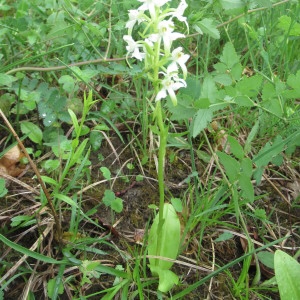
163, 134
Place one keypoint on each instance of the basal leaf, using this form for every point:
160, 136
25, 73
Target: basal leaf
170, 238
287, 272
167, 278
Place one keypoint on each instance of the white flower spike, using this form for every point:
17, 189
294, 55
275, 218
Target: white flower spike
159, 34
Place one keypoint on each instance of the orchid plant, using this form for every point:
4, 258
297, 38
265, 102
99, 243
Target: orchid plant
166, 69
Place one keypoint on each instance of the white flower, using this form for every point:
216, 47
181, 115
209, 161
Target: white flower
178, 58
178, 12
165, 31
133, 47
170, 84
151, 5
135, 16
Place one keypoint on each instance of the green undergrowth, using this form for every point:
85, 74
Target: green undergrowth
84, 112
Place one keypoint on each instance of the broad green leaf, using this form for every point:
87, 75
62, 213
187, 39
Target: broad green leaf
235, 147
244, 101
68, 83
108, 197
193, 88
209, 89
33, 131
260, 213
289, 25
209, 27
200, 121
117, 205
51, 164
249, 86
223, 79
287, 273
7, 80
231, 165
246, 187
229, 56
96, 138
170, 238
271, 100
246, 167
293, 82
6, 102
105, 172
183, 110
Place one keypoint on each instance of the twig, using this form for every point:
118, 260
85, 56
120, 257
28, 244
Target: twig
57, 68
37, 173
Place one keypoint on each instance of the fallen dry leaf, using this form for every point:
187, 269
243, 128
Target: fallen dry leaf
9, 162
